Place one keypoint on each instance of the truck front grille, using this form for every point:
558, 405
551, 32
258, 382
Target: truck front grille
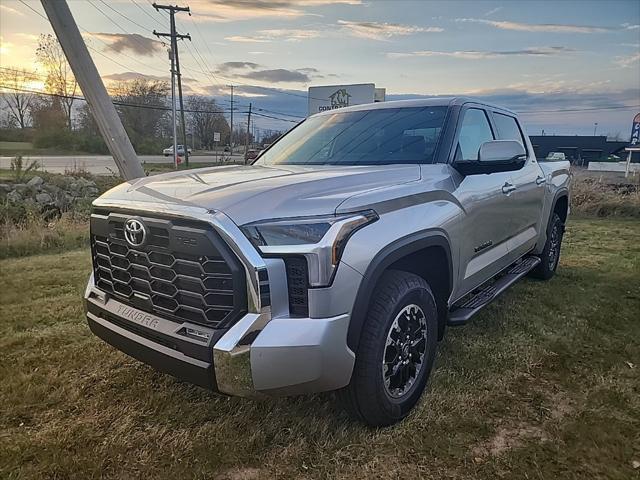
184, 271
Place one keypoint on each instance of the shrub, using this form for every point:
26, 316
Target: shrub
54, 138
19, 170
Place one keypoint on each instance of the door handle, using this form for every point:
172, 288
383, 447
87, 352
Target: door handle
507, 188
541, 180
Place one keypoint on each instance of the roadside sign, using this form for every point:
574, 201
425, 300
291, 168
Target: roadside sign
635, 131
216, 136
330, 97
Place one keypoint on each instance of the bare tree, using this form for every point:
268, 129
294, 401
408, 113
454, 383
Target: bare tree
144, 112
206, 118
60, 79
17, 97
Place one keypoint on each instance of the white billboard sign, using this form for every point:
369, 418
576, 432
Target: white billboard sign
216, 136
331, 97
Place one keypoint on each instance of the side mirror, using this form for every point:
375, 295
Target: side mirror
495, 156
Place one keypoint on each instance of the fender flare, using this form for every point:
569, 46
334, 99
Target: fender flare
562, 192
383, 259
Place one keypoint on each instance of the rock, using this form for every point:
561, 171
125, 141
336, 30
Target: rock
35, 182
44, 198
92, 191
83, 182
21, 188
14, 196
5, 188
51, 189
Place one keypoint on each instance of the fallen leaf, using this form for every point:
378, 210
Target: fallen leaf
630, 365
635, 464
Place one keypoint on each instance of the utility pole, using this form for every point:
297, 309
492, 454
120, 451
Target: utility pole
231, 124
246, 140
175, 73
94, 91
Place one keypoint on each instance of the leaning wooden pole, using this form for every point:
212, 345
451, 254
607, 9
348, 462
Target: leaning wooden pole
93, 89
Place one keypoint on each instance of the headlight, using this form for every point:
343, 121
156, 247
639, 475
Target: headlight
320, 239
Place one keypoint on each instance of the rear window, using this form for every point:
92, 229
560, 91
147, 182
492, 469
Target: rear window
508, 128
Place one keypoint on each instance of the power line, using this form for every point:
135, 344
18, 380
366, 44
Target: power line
521, 112
569, 110
155, 19
275, 118
123, 30
115, 102
279, 113
90, 47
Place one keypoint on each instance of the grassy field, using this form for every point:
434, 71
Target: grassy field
544, 384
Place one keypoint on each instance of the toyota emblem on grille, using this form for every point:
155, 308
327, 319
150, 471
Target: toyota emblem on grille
135, 233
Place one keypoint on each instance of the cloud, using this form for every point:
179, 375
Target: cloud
279, 75
225, 11
255, 71
493, 11
11, 10
128, 76
485, 54
630, 26
264, 36
626, 61
537, 27
5, 47
226, 66
382, 31
368, 30
118, 42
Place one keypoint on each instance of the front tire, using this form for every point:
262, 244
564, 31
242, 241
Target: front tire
550, 255
396, 351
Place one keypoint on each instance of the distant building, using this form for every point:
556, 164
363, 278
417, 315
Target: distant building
581, 149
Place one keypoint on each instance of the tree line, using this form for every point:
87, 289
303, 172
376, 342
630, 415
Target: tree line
59, 119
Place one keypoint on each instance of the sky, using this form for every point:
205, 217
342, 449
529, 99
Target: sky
563, 65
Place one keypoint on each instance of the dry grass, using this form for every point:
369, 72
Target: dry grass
34, 235
604, 197
545, 383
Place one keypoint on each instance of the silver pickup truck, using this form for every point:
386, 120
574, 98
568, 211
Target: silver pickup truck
336, 261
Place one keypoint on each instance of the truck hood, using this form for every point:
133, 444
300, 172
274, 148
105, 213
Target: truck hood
251, 193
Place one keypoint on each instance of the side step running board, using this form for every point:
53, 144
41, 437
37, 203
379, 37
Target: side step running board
462, 312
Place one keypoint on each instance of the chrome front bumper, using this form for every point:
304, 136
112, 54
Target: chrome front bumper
265, 352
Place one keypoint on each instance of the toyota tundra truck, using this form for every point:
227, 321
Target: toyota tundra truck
336, 261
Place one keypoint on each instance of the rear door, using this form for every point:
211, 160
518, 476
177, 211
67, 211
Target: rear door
528, 197
486, 203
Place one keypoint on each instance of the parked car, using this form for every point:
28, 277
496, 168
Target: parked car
168, 152
336, 261
252, 154
556, 156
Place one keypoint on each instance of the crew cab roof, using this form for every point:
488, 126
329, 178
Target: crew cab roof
420, 102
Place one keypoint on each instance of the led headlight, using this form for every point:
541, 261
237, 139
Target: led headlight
320, 239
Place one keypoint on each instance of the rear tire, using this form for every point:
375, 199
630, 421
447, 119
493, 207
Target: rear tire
396, 351
550, 255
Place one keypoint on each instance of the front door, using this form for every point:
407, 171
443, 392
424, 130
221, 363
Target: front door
487, 206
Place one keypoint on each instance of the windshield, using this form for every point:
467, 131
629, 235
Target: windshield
369, 137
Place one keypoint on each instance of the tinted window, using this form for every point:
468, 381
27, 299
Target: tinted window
508, 128
474, 132
387, 135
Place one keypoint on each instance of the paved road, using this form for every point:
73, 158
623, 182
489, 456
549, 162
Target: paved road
101, 164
